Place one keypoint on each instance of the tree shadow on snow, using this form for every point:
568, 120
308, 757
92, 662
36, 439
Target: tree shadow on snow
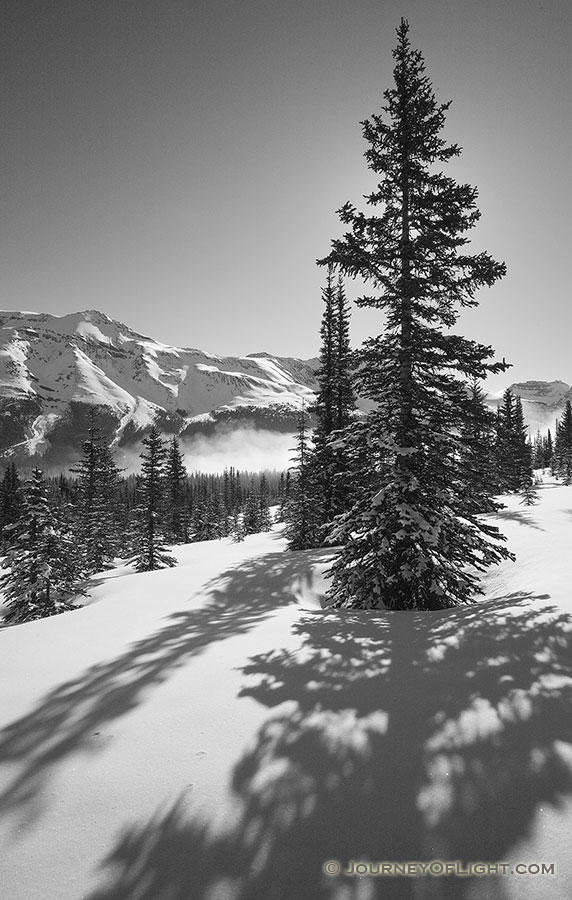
80, 714
400, 736
523, 517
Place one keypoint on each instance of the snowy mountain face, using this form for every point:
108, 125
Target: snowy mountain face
542, 402
54, 369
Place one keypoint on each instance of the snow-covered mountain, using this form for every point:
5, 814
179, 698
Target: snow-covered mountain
53, 369
542, 402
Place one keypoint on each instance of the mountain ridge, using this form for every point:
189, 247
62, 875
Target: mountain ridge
54, 369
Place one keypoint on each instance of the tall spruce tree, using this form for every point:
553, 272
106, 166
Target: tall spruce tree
410, 543
41, 577
151, 552
477, 478
176, 512
328, 471
523, 447
562, 456
513, 456
97, 523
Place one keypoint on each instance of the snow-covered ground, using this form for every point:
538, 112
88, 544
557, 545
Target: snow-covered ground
209, 732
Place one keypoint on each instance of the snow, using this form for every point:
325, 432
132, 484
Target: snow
89, 331
88, 357
211, 732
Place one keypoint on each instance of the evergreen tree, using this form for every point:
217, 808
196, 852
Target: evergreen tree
328, 472
562, 456
528, 492
41, 579
548, 449
237, 532
505, 444
513, 451
538, 451
409, 542
300, 514
97, 523
523, 448
11, 501
176, 513
251, 519
265, 523
477, 481
151, 552
344, 378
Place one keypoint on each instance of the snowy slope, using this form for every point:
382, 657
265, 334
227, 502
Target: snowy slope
211, 733
49, 363
542, 402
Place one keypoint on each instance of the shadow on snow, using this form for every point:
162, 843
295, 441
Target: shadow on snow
66, 719
400, 736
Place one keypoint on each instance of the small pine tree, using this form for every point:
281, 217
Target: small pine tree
237, 530
151, 552
41, 578
548, 449
251, 518
302, 528
528, 492
265, 523
538, 452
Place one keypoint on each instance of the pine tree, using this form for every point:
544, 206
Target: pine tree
41, 578
176, 513
344, 377
265, 523
548, 449
538, 452
562, 456
151, 552
300, 514
477, 482
523, 448
97, 522
328, 471
251, 519
11, 501
409, 542
505, 444
528, 492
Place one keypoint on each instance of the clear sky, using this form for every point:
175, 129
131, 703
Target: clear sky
178, 164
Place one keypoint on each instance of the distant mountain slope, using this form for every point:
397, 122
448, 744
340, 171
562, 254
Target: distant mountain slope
53, 369
542, 402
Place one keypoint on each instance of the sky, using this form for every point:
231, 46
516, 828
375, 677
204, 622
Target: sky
178, 165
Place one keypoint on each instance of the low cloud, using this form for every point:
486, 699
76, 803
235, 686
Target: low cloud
248, 449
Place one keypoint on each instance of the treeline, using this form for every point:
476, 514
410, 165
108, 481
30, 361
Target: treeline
57, 531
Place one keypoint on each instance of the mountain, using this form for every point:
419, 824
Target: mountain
542, 402
54, 369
